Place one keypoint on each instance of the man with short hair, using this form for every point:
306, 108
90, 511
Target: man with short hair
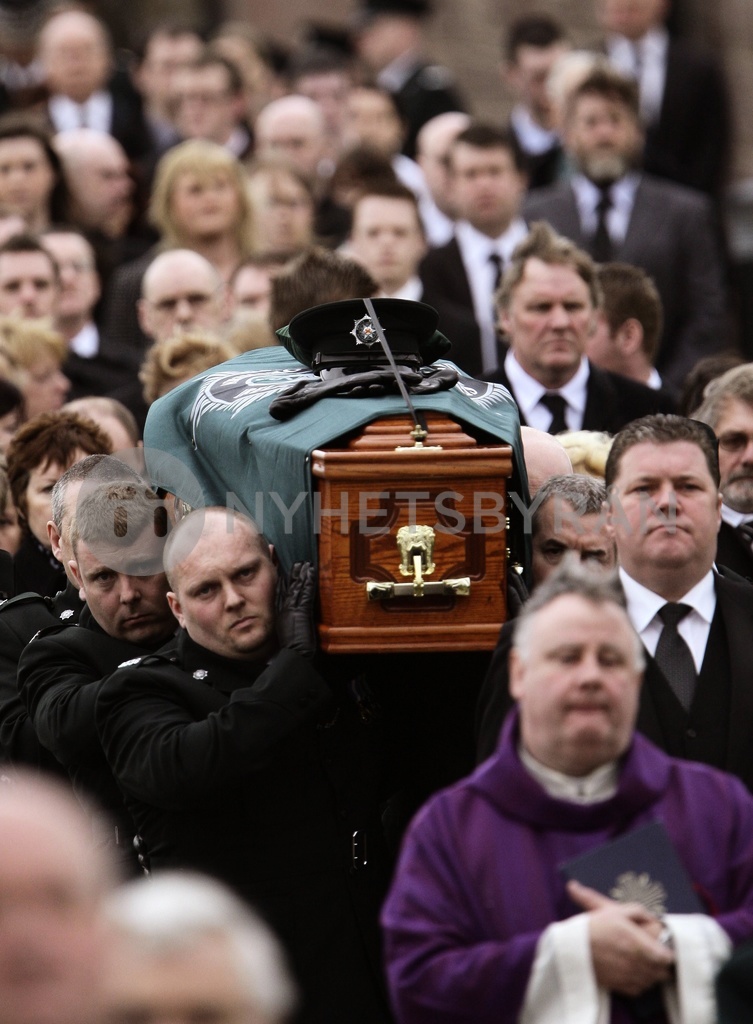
662, 474
437, 202
169, 47
117, 537
88, 368
567, 522
75, 51
684, 101
250, 287
181, 291
618, 212
387, 237
727, 407
292, 129
53, 882
237, 758
534, 44
481, 920
29, 278
325, 76
98, 179
209, 103
629, 324
185, 948
389, 39
460, 278
548, 303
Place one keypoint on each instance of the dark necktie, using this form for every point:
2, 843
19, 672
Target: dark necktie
496, 261
601, 246
556, 405
673, 655
745, 530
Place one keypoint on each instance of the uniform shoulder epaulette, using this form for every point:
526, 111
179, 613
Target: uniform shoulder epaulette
53, 630
28, 597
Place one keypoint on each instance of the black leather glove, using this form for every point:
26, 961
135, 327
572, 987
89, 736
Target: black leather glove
365, 384
296, 600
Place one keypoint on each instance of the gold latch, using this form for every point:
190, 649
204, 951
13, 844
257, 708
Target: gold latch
416, 546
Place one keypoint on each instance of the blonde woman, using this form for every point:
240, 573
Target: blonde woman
37, 353
172, 362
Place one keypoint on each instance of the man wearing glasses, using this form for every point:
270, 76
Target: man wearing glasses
727, 408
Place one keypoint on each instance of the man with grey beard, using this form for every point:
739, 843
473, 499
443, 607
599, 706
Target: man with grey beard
727, 408
617, 212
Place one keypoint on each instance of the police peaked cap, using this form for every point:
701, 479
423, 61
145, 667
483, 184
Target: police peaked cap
342, 334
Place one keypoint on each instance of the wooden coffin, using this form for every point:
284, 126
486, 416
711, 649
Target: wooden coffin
411, 540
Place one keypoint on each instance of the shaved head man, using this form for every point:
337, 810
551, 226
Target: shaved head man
293, 128
181, 291
75, 52
52, 884
96, 172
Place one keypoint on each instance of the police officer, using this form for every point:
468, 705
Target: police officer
117, 543
238, 759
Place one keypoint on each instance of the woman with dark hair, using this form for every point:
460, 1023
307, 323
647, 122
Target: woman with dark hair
31, 180
39, 454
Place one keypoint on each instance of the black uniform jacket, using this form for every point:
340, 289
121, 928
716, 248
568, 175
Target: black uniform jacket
20, 618
254, 773
59, 675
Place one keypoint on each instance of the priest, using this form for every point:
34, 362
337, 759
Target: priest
482, 924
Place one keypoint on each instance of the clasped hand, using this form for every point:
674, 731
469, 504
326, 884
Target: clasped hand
627, 956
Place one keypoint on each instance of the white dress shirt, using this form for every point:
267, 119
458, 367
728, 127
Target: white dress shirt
643, 607
646, 61
588, 197
529, 392
475, 251
94, 113
532, 137
412, 289
86, 342
734, 518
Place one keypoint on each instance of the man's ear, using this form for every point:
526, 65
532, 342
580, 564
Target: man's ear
53, 535
629, 336
172, 600
515, 666
142, 309
73, 566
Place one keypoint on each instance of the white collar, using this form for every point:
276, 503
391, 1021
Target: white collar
643, 604
86, 342
733, 517
600, 784
533, 138
398, 71
412, 289
529, 391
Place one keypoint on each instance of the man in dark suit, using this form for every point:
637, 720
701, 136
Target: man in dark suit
548, 303
727, 408
662, 475
389, 40
684, 101
460, 278
619, 213
534, 44
76, 54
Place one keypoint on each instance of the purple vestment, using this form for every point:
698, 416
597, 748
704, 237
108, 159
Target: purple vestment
478, 877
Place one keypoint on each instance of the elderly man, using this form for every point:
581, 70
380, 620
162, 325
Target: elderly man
481, 924
181, 291
75, 52
437, 202
662, 474
548, 303
727, 407
185, 949
237, 758
53, 881
567, 521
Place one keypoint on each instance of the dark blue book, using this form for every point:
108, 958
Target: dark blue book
640, 867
